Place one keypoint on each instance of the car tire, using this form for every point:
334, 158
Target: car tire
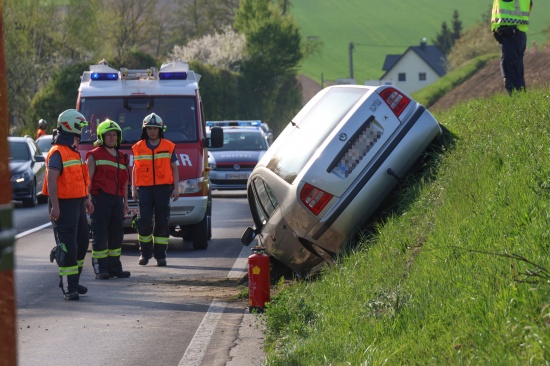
209, 215
33, 201
200, 234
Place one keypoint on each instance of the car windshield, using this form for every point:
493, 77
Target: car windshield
19, 151
317, 123
177, 112
242, 140
44, 144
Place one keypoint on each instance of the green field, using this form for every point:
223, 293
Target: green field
381, 28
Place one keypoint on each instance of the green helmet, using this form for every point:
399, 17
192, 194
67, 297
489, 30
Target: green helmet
105, 127
71, 121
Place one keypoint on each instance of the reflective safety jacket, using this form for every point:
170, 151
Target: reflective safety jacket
153, 166
40, 133
74, 180
110, 174
511, 12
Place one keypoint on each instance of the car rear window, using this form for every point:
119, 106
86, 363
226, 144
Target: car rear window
302, 139
242, 140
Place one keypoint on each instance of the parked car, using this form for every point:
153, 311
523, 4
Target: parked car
231, 165
267, 132
28, 169
44, 144
331, 168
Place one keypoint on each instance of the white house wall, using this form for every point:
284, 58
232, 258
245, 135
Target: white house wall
412, 65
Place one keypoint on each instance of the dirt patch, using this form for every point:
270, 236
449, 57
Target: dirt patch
488, 80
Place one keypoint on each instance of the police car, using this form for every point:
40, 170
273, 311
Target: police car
243, 146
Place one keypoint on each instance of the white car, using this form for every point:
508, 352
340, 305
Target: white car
44, 144
331, 168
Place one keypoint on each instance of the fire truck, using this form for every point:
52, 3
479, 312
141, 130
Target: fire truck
172, 91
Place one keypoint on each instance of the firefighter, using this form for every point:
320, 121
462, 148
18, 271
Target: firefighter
154, 180
509, 23
66, 185
42, 124
108, 169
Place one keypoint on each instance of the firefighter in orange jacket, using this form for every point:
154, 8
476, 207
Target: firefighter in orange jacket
42, 124
66, 184
154, 180
109, 194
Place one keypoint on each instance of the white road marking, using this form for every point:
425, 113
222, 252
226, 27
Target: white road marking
195, 351
28, 232
241, 264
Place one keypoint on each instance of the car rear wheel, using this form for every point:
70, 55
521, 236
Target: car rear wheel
200, 234
33, 201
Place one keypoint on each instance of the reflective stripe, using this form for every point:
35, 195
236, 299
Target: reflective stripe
67, 271
517, 10
111, 163
71, 163
100, 253
115, 252
161, 240
163, 156
80, 263
145, 239
143, 157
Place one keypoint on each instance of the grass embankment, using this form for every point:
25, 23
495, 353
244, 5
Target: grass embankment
458, 275
430, 94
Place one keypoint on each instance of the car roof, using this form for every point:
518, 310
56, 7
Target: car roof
18, 138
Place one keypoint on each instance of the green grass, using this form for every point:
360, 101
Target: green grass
431, 93
378, 28
458, 274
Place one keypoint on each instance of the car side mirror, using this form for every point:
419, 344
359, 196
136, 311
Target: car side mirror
216, 137
248, 236
39, 158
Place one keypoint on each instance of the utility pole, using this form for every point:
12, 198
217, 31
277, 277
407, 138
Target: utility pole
351, 47
8, 345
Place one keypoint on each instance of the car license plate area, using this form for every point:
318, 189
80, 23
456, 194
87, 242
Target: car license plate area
238, 176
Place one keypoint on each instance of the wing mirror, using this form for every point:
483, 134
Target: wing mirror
248, 236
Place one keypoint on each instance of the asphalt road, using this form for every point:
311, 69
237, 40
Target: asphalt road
187, 313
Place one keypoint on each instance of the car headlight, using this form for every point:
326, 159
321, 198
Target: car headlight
190, 185
21, 177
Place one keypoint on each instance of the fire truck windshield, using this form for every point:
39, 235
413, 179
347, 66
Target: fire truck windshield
177, 112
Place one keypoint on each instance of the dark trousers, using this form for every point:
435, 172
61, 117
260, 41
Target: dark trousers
72, 238
154, 200
512, 48
107, 223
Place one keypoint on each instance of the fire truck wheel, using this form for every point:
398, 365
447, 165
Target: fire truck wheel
200, 234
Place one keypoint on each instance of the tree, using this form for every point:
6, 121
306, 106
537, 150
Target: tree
446, 37
273, 52
40, 37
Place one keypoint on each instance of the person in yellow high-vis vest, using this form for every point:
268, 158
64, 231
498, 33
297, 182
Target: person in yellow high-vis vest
509, 24
66, 185
154, 181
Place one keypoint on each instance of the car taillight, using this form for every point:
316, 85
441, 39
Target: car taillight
395, 100
314, 198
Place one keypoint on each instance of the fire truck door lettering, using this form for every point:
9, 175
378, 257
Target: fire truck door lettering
185, 160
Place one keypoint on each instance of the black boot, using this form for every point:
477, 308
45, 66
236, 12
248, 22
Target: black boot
100, 268
70, 291
115, 268
81, 288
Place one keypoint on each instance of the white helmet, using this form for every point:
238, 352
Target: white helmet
71, 121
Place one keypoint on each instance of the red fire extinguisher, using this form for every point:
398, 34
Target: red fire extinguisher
258, 279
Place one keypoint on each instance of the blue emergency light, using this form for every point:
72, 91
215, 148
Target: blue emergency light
233, 123
104, 76
172, 75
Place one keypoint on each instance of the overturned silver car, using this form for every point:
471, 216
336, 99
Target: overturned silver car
331, 168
